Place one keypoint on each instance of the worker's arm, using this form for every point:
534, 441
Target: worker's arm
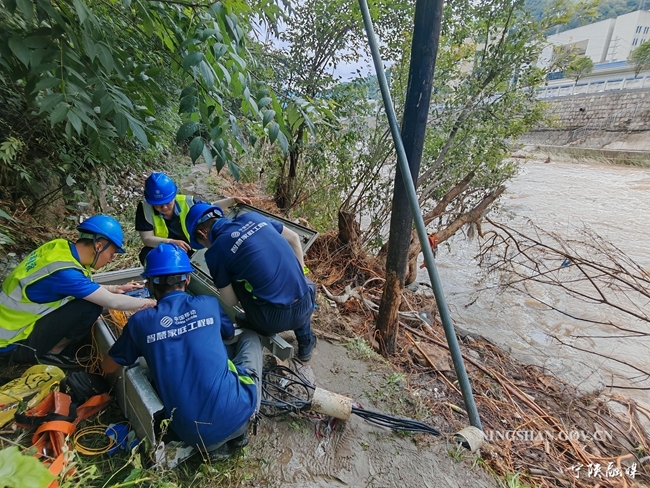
150, 240
294, 240
227, 296
123, 288
230, 201
109, 365
116, 301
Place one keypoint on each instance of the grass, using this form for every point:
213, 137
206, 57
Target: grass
360, 349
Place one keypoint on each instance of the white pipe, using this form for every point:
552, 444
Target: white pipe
332, 404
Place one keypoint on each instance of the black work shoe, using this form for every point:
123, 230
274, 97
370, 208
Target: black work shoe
305, 350
240, 319
221, 453
62, 361
239, 442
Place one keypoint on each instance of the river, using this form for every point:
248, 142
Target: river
562, 197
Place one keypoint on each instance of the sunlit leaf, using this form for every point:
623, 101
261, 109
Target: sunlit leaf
18, 470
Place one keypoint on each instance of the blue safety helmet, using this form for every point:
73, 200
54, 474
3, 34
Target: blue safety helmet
167, 260
198, 214
103, 226
159, 189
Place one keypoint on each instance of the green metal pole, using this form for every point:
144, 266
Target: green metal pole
450, 333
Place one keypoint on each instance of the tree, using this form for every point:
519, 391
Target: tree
426, 34
483, 98
562, 57
103, 69
640, 58
579, 67
320, 36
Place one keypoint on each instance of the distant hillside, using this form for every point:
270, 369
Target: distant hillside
607, 9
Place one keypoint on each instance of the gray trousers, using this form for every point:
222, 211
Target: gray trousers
247, 354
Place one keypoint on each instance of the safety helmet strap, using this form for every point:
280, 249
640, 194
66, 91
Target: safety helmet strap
169, 279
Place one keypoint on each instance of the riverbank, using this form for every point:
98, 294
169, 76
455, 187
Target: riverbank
626, 157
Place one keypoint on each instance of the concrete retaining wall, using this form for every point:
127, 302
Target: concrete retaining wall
619, 120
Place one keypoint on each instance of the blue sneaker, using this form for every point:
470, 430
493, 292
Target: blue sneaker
305, 350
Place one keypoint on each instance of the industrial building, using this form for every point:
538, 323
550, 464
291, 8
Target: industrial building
605, 41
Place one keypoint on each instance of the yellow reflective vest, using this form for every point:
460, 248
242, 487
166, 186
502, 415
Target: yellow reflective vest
185, 202
18, 314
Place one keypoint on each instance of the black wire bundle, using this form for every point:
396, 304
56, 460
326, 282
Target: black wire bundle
395, 423
284, 391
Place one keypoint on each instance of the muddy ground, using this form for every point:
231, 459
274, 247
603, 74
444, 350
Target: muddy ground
298, 451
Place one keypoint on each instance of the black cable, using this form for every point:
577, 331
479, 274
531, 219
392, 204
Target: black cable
284, 391
395, 423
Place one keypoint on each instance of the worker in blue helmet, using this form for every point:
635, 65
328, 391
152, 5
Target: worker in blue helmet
49, 302
259, 263
160, 218
210, 397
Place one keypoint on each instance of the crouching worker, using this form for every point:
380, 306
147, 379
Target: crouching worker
260, 263
49, 303
160, 218
209, 398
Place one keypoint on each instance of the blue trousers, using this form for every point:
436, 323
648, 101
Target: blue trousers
247, 354
267, 319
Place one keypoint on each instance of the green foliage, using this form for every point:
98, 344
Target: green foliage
562, 57
98, 68
20, 471
579, 67
5, 236
320, 36
640, 58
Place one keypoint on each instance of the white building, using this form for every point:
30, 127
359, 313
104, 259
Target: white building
605, 41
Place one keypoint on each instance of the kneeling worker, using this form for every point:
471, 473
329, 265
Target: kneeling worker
209, 398
260, 263
49, 303
160, 218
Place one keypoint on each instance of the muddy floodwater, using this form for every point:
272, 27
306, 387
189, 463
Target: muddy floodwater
562, 197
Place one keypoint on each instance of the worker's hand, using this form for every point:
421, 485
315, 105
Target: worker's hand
128, 287
147, 303
244, 200
182, 244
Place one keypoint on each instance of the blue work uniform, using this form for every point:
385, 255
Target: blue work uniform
53, 301
181, 339
67, 282
250, 253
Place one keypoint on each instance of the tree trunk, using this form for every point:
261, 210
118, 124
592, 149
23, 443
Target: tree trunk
285, 188
348, 227
424, 48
